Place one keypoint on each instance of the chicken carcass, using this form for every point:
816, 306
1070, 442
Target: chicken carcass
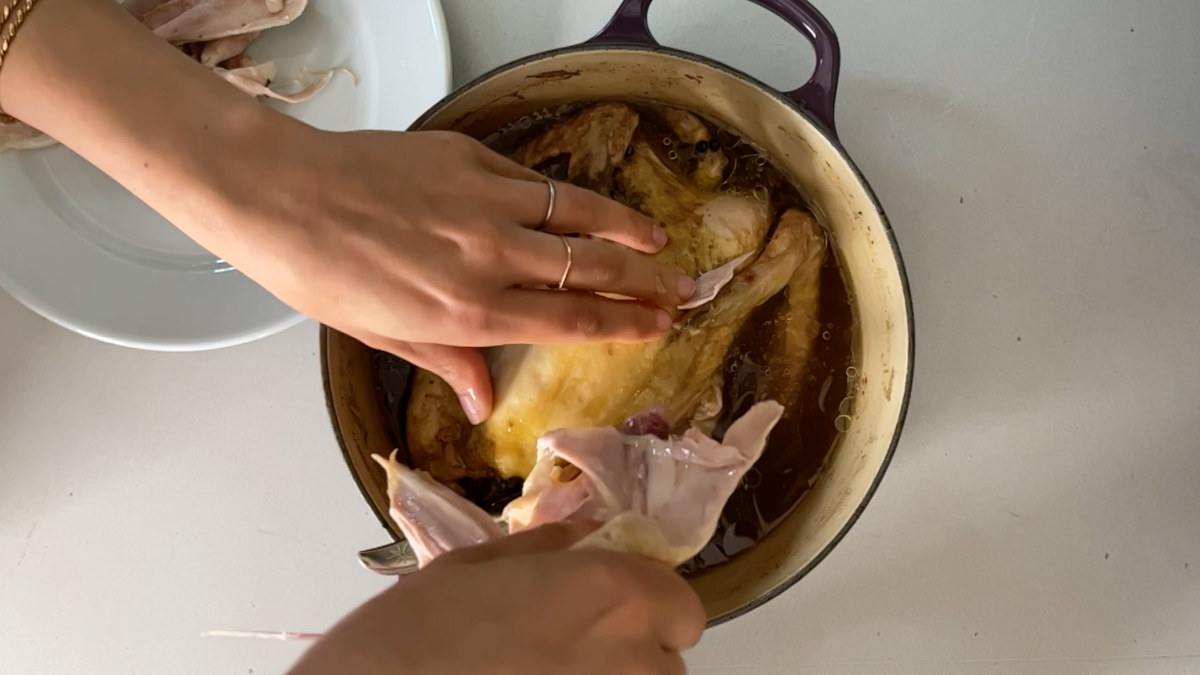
655, 495
540, 388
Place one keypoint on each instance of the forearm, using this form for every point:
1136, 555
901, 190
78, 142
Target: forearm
91, 76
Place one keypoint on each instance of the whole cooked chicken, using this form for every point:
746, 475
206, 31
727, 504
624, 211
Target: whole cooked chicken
539, 389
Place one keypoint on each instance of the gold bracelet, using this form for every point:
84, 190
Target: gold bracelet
18, 10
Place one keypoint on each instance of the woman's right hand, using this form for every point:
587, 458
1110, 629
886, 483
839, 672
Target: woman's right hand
521, 604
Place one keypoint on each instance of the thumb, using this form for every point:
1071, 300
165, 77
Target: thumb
462, 368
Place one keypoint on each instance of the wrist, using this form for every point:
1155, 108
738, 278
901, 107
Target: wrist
180, 138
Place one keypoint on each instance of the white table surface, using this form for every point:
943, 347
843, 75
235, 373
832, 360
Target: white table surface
1040, 162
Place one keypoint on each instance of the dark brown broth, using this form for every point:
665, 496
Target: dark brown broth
799, 445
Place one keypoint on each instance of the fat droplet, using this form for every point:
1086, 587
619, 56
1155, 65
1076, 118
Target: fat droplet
852, 372
844, 406
842, 423
824, 392
825, 335
666, 141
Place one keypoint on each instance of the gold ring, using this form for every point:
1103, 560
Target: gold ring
549, 206
562, 283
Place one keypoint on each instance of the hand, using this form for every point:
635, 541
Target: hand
423, 245
522, 604
420, 244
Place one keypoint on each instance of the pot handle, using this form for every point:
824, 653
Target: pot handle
630, 26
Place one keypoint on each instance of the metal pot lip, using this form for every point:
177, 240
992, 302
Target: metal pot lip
327, 385
899, 261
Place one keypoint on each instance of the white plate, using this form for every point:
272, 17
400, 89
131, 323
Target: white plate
81, 251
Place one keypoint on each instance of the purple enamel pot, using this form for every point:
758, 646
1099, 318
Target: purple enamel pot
797, 131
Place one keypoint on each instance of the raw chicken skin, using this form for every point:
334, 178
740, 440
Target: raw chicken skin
215, 33
181, 21
432, 517
219, 51
656, 497
660, 498
253, 80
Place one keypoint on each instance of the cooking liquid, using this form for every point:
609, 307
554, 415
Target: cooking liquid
800, 443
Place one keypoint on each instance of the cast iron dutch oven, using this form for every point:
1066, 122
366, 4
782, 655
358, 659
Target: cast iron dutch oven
797, 130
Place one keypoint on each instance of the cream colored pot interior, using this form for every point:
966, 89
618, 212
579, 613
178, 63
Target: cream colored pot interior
840, 200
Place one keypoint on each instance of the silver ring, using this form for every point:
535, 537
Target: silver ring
550, 206
562, 283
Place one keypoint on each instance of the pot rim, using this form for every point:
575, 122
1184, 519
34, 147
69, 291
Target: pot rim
833, 139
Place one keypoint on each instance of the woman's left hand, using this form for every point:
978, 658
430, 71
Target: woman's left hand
428, 245
422, 244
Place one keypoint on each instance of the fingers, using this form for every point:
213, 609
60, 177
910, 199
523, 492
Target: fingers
462, 368
553, 317
666, 661
680, 616
601, 267
576, 210
642, 657
581, 211
544, 539
648, 597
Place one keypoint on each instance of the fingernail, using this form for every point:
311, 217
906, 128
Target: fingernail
470, 406
664, 321
660, 236
686, 286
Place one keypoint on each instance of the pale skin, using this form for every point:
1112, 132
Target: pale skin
420, 244
522, 604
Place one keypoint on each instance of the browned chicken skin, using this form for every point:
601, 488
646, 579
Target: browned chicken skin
595, 139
